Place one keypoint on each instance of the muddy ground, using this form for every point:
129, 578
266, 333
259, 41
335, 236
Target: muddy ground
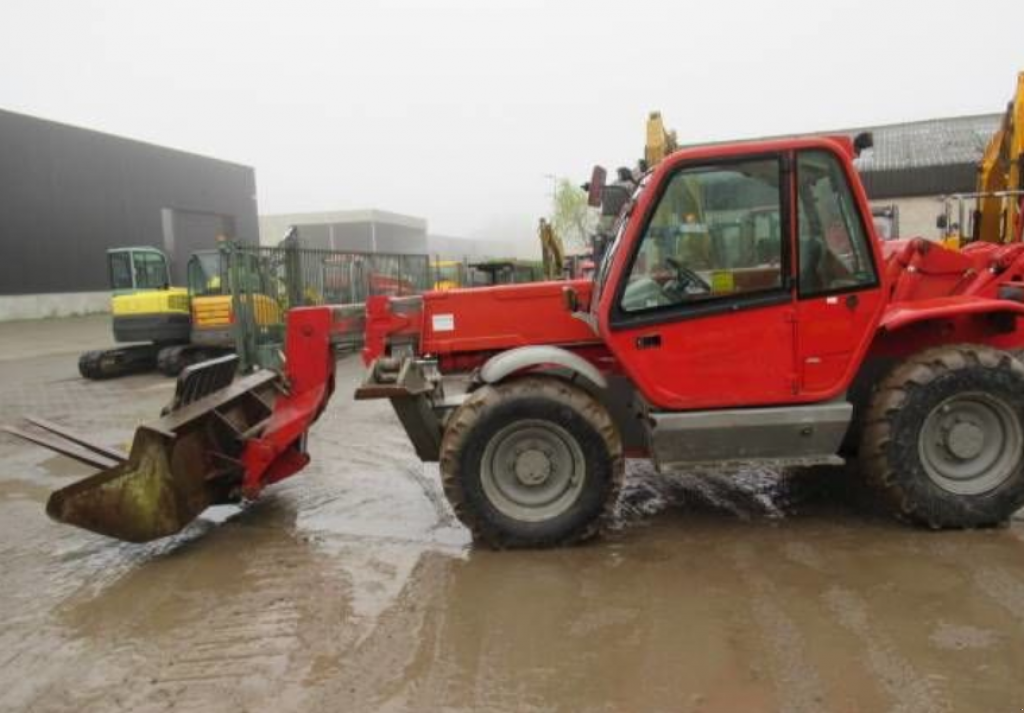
352, 588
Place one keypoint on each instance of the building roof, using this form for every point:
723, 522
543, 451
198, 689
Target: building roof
920, 158
274, 225
59, 125
935, 142
934, 157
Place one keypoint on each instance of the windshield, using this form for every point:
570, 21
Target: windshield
204, 277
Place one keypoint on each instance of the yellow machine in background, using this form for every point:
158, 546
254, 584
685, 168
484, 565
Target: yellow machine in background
212, 310
999, 198
448, 274
1000, 174
552, 251
167, 328
660, 141
148, 314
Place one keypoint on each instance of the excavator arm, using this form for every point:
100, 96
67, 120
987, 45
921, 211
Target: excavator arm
1000, 175
551, 249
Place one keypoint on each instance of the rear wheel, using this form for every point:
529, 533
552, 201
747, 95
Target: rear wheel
944, 437
534, 462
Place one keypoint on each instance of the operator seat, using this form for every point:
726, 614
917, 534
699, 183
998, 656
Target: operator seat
811, 254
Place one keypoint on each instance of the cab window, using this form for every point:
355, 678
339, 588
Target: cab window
120, 270
204, 274
150, 271
834, 254
716, 233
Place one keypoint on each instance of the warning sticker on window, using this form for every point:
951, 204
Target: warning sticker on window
722, 281
443, 322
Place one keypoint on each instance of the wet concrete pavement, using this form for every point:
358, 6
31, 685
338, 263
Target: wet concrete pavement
351, 587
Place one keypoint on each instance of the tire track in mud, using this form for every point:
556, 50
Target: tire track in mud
910, 691
395, 664
890, 670
797, 684
233, 636
997, 582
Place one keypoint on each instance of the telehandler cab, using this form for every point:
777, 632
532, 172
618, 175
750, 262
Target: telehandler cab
745, 311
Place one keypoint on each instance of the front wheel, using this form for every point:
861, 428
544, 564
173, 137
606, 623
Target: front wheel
534, 462
944, 437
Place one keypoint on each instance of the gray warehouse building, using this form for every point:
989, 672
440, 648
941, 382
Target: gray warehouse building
383, 231
68, 194
373, 231
913, 165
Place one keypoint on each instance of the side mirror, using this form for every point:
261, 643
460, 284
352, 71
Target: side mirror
595, 189
571, 298
941, 222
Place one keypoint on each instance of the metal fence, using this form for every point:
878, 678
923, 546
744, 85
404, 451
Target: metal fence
265, 282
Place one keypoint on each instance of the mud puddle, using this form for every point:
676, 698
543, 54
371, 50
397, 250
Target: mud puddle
352, 587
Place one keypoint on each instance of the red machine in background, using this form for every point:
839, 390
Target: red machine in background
744, 311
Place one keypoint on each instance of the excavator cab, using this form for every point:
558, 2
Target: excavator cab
135, 269
144, 305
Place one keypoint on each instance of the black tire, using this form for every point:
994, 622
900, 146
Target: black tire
942, 440
582, 438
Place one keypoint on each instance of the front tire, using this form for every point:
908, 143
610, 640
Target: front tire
944, 437
534, 462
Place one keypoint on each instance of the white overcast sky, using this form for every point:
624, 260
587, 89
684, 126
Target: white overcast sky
454, 111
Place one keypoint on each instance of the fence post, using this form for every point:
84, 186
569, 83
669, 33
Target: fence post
241, 328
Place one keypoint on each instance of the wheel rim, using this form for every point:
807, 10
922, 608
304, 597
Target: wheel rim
971, 443
532, 470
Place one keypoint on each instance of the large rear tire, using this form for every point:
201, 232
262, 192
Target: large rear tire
534, 462
943, 440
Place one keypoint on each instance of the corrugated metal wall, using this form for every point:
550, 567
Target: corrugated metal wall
69, 194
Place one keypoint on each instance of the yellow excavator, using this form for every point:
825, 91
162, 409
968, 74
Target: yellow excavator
149, 315
167, 328
1001, 177
211, 293
552, 251
999, 195
660, 141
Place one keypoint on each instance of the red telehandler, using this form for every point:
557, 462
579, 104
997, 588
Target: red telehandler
745, 311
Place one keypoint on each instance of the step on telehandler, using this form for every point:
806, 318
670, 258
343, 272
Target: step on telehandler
745, 311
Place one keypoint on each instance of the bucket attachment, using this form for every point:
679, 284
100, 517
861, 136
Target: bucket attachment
178, 465
221, 440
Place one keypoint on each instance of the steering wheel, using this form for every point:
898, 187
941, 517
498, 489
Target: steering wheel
686, 276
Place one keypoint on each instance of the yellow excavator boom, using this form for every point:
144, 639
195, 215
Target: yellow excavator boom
660, 141
998, 218
552, 250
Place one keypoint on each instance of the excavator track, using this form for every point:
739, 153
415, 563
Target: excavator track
111, 363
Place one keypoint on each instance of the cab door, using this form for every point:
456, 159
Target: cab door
838, 293
704, 315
